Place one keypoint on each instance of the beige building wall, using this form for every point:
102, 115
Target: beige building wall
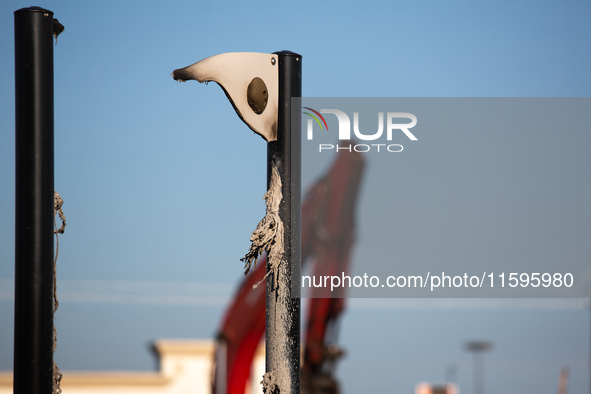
185, 368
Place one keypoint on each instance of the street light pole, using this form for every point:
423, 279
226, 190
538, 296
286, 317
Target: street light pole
478, 348
282, 335
260, 88
34, 212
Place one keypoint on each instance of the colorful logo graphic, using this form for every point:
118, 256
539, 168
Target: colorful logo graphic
315, 118
386, 125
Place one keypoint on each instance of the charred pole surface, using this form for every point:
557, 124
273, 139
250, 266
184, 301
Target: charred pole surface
34, 215
283, 309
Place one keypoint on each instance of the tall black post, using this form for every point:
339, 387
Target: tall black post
283, 311
33, 315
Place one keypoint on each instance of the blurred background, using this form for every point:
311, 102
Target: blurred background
163, 183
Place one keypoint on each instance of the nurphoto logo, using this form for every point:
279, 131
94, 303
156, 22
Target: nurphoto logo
345, 130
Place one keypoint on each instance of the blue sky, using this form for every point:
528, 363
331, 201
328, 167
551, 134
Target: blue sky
163, 183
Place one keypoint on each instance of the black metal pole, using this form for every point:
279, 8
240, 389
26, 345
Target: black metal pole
33, 312
283, 311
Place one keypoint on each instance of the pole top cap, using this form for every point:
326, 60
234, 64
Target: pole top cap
34, 9
286, 53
